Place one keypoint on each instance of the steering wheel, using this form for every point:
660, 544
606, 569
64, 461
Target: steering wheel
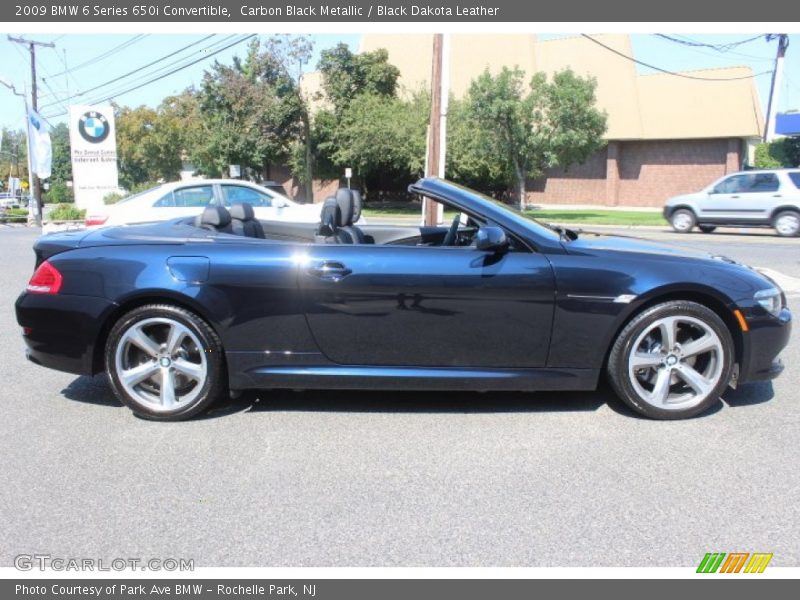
452, 234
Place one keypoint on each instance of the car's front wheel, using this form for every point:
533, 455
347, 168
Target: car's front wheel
787, 223
682, 220
672, 361
165, 363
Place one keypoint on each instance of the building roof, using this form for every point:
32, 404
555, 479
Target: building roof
639, 107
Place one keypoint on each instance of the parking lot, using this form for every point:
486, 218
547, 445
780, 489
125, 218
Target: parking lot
398, 479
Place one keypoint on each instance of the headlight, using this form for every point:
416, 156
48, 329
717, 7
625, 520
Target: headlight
770, 299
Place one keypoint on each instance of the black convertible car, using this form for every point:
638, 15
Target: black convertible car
182, 312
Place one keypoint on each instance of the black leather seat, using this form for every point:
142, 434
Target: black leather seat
244, 222
337, 218
215, 218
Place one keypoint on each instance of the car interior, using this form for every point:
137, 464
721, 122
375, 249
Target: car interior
338, 216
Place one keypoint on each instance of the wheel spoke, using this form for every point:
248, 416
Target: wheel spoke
139, 338
139, 373
191, 370
699, 346
167, 388
176, 334
642, 360
660, 391
696, 381
669, 332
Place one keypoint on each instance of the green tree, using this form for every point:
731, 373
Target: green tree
61, 171
346, 75
148, 146
784, 152
13, 155
253, 110
551, 124
377, 135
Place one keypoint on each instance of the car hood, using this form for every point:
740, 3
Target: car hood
590, 242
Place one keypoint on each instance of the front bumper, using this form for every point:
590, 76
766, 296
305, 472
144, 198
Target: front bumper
61, 331
766, 338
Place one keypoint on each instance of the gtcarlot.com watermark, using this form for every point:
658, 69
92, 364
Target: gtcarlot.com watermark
46, 562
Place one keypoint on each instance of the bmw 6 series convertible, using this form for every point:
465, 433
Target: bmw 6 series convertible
182, 313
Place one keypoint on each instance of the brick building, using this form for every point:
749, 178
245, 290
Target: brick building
666, 135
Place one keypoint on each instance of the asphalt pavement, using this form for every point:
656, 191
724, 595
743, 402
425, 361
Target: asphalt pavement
397, 479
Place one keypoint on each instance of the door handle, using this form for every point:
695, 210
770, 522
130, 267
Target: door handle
777, 196
735, 196
329, 270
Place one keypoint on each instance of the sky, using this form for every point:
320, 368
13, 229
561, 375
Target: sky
113, 56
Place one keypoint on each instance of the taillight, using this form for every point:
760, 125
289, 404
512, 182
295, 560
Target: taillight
92, 220
46, 280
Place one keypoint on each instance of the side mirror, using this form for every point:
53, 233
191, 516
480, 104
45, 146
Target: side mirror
491, 238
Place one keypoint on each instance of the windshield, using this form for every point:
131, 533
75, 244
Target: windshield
517, 214
138, 194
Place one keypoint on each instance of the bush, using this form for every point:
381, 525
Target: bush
66, 212
113, 198
13, 215
58, 193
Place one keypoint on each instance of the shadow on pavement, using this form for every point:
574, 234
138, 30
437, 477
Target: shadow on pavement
96, 390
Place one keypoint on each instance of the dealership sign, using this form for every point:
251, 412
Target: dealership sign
92, 137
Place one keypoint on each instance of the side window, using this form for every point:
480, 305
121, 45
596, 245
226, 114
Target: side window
232, 194
189, 197
166, 201
795, 177
733, 185
764, 182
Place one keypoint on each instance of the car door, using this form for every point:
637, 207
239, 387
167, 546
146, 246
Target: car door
184, 201
742, 198
263, 205
428, 306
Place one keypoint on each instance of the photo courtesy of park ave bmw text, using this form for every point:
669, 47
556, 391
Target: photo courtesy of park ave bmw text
347, 300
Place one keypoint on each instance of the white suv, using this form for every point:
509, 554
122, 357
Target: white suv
766, 198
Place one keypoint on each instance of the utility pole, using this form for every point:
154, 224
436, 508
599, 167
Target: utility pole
775, 88
36, 192
431, 207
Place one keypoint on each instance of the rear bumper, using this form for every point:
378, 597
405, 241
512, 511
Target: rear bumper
61, 331
765, 340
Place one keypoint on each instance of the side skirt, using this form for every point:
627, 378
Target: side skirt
416, 378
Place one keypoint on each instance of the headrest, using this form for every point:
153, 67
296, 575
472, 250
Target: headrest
216, 216
242, 211
330, 217
344, 197
356, 204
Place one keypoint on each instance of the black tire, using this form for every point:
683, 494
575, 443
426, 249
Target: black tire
207, 347
683, 220
618, 372
784, 218
707, 228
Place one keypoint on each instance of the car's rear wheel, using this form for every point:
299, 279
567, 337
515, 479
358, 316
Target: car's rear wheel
787, 223
165, 363
672, 361
683, 220
707, 228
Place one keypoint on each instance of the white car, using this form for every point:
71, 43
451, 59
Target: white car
189, 198
765, 198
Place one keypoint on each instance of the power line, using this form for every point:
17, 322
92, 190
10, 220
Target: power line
181, 62
107, 53
697, 50
129, 73
718, 47
668, 72
160, 77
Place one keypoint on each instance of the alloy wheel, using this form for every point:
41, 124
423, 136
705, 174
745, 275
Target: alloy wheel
676, 362
161, 364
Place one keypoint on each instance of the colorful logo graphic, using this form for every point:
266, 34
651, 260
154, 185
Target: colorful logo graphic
714, 562
93, 127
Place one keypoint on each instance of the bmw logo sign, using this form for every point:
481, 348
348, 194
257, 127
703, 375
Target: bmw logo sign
93, 127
